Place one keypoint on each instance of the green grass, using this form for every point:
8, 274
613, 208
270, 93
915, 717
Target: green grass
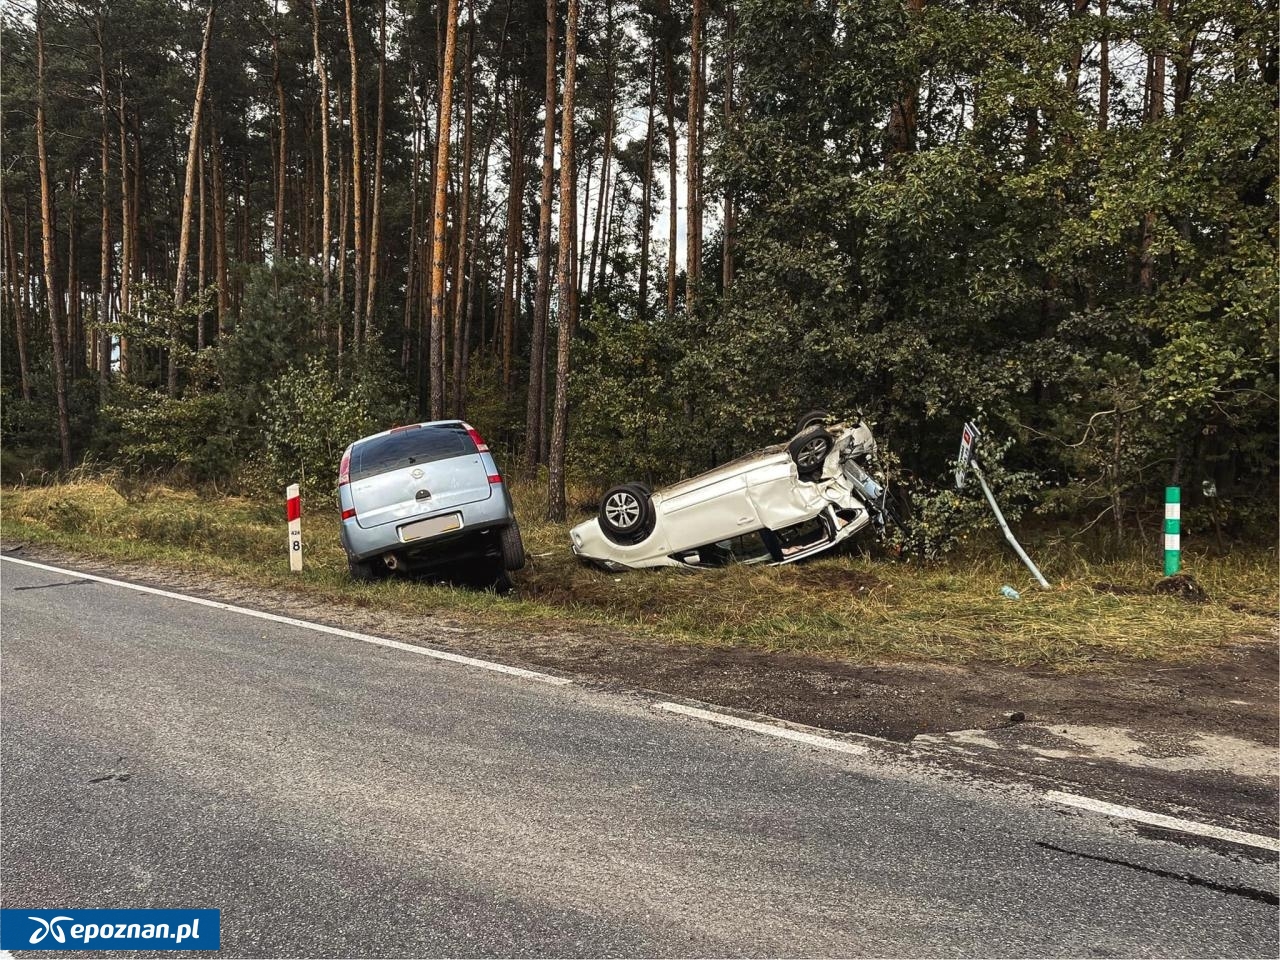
848, 606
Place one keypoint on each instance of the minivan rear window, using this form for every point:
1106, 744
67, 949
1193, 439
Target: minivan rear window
406, 448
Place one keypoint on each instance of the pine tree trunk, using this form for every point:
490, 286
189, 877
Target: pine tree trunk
220, 272
344, 224
535, 410
18, 298
901, 134
75, 341
606, 234
1155, 110
201, 240
673, 169
646, 192
478, 262
126, 231
357, 192
411, 266
1078, 9
606, 150
506, 332
439, 216
188, 197
693, 165
462, 230
566, 299
602, 200
1104, 68
282, 149
52, 294
580, 241
730, 207
375, 227
326, 220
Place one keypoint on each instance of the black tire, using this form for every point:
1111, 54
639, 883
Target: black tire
512, 547
626, 514
809, 449
366, 571
813, 418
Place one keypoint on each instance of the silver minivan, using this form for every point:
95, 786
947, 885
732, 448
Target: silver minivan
424, 496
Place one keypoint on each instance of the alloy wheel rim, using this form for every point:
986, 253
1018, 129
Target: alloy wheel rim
812, 453
622, 510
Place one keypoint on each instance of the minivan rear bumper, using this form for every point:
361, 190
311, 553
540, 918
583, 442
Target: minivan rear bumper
494, 513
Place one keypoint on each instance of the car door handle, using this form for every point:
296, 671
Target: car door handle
744, 520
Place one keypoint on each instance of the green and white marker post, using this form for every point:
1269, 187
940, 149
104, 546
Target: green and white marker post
1172, 530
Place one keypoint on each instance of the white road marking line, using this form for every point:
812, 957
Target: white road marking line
1161, 820
768, 729
308, 625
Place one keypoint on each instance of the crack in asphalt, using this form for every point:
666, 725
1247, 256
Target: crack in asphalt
60, 583
1190, 879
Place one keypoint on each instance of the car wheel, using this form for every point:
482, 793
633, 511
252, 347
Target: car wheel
814, 418
626, 514
512, 547
809, 449
366, 571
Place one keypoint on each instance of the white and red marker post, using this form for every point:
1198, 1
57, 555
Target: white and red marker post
293, 510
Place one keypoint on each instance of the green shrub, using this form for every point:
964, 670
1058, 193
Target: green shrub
185, 438
309, 416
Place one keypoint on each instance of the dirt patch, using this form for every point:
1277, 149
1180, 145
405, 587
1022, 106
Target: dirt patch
837, 579
1183, 586
1233, 693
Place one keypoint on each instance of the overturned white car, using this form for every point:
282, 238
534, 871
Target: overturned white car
777, 505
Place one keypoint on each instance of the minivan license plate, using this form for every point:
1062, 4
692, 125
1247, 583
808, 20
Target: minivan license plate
431, 527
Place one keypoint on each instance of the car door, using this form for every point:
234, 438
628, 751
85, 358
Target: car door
711, 511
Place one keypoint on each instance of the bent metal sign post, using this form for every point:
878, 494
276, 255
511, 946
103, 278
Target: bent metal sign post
96, 930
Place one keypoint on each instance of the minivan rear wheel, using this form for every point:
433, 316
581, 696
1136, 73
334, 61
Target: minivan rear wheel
366, 571
512, 547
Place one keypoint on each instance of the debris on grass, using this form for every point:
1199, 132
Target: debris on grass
1183, 586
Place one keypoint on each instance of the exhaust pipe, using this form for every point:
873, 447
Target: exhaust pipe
391, 560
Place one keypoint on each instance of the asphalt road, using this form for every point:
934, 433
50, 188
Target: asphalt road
335, 798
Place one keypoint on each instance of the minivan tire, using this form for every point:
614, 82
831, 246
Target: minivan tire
366, 571
512, 547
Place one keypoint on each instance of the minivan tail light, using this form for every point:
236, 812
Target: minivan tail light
348, 513
478, 440
494, 479
344, 471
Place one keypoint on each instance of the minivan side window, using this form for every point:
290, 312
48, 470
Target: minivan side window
405, 448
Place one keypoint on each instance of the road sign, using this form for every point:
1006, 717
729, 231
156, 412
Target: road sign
968, 443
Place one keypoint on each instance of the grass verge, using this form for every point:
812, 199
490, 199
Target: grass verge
846, 606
